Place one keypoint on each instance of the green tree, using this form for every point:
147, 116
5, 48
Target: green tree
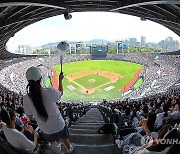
112, 50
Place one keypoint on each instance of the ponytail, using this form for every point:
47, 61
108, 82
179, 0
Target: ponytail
34, 93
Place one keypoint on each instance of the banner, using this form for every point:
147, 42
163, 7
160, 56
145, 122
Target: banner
122, 46
72, 48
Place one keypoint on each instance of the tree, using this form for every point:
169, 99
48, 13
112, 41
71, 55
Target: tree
112, 50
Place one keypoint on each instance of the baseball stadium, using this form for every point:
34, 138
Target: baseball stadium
100, 101
97, 79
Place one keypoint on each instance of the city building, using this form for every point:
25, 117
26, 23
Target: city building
24, 49
143, 40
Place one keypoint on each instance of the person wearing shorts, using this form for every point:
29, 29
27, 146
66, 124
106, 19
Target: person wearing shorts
41, 103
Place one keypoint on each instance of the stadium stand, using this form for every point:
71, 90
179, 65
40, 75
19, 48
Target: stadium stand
161, 74
118, 117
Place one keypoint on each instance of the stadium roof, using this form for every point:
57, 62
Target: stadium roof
17, 14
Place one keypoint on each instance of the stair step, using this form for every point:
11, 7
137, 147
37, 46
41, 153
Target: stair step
100, 122
91, 139
89, 124
85, 127
90, 120
83, 131
84, 135
100, 149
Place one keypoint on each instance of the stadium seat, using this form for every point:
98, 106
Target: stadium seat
6, 148
174, 149
2, 151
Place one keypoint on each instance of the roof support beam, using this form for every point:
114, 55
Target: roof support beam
146, 3
31, 4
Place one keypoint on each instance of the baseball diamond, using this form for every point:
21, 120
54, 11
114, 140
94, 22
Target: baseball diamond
91, 81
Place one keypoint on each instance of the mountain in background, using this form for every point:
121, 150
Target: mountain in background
94, 41
97, 41
49, 44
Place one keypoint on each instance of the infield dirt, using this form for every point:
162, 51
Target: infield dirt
86, 90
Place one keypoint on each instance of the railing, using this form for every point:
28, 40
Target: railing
72, 113
106, 113
112, 116
117, 121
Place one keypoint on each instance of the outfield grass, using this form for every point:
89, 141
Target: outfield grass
47, 82
125, 69
138, 83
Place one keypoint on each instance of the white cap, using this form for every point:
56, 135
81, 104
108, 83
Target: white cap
33, 73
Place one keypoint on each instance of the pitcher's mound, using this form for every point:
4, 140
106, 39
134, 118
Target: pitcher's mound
91, 80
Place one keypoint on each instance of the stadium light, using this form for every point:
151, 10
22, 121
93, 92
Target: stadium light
67, 16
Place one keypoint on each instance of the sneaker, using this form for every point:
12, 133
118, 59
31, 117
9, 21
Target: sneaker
126, 149
71, 148
119, 143
56, 150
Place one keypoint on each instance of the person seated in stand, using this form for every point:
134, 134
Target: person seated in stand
151, 107
135, 144
176, 114
167, 133
17, 139
127, 119
162, 117
151, 118
144, 111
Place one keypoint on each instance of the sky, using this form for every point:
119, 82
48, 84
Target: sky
85, 26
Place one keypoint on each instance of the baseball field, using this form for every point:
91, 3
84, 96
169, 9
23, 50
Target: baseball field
94, 80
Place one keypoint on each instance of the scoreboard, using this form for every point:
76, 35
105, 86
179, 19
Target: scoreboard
99, 52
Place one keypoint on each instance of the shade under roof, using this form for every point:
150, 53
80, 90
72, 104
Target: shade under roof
17, 14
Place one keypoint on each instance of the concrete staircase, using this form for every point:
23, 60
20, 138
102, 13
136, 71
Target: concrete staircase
84, 135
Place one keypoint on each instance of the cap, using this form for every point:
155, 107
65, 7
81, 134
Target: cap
33, 73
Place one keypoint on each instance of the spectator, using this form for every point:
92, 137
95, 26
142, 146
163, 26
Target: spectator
176, 115
41, 102
162, 117
17, 139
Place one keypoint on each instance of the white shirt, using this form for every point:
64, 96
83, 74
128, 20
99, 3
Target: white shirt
175, 115
55, 122
17, 139
159, 119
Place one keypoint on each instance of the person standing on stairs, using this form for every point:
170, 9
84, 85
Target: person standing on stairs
41, 103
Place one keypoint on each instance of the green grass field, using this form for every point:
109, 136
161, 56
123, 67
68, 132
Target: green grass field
138, 83
99, 80
125, 69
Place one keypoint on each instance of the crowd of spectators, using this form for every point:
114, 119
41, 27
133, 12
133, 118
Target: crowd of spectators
13, 76
147, 116
160, 72
157, 99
